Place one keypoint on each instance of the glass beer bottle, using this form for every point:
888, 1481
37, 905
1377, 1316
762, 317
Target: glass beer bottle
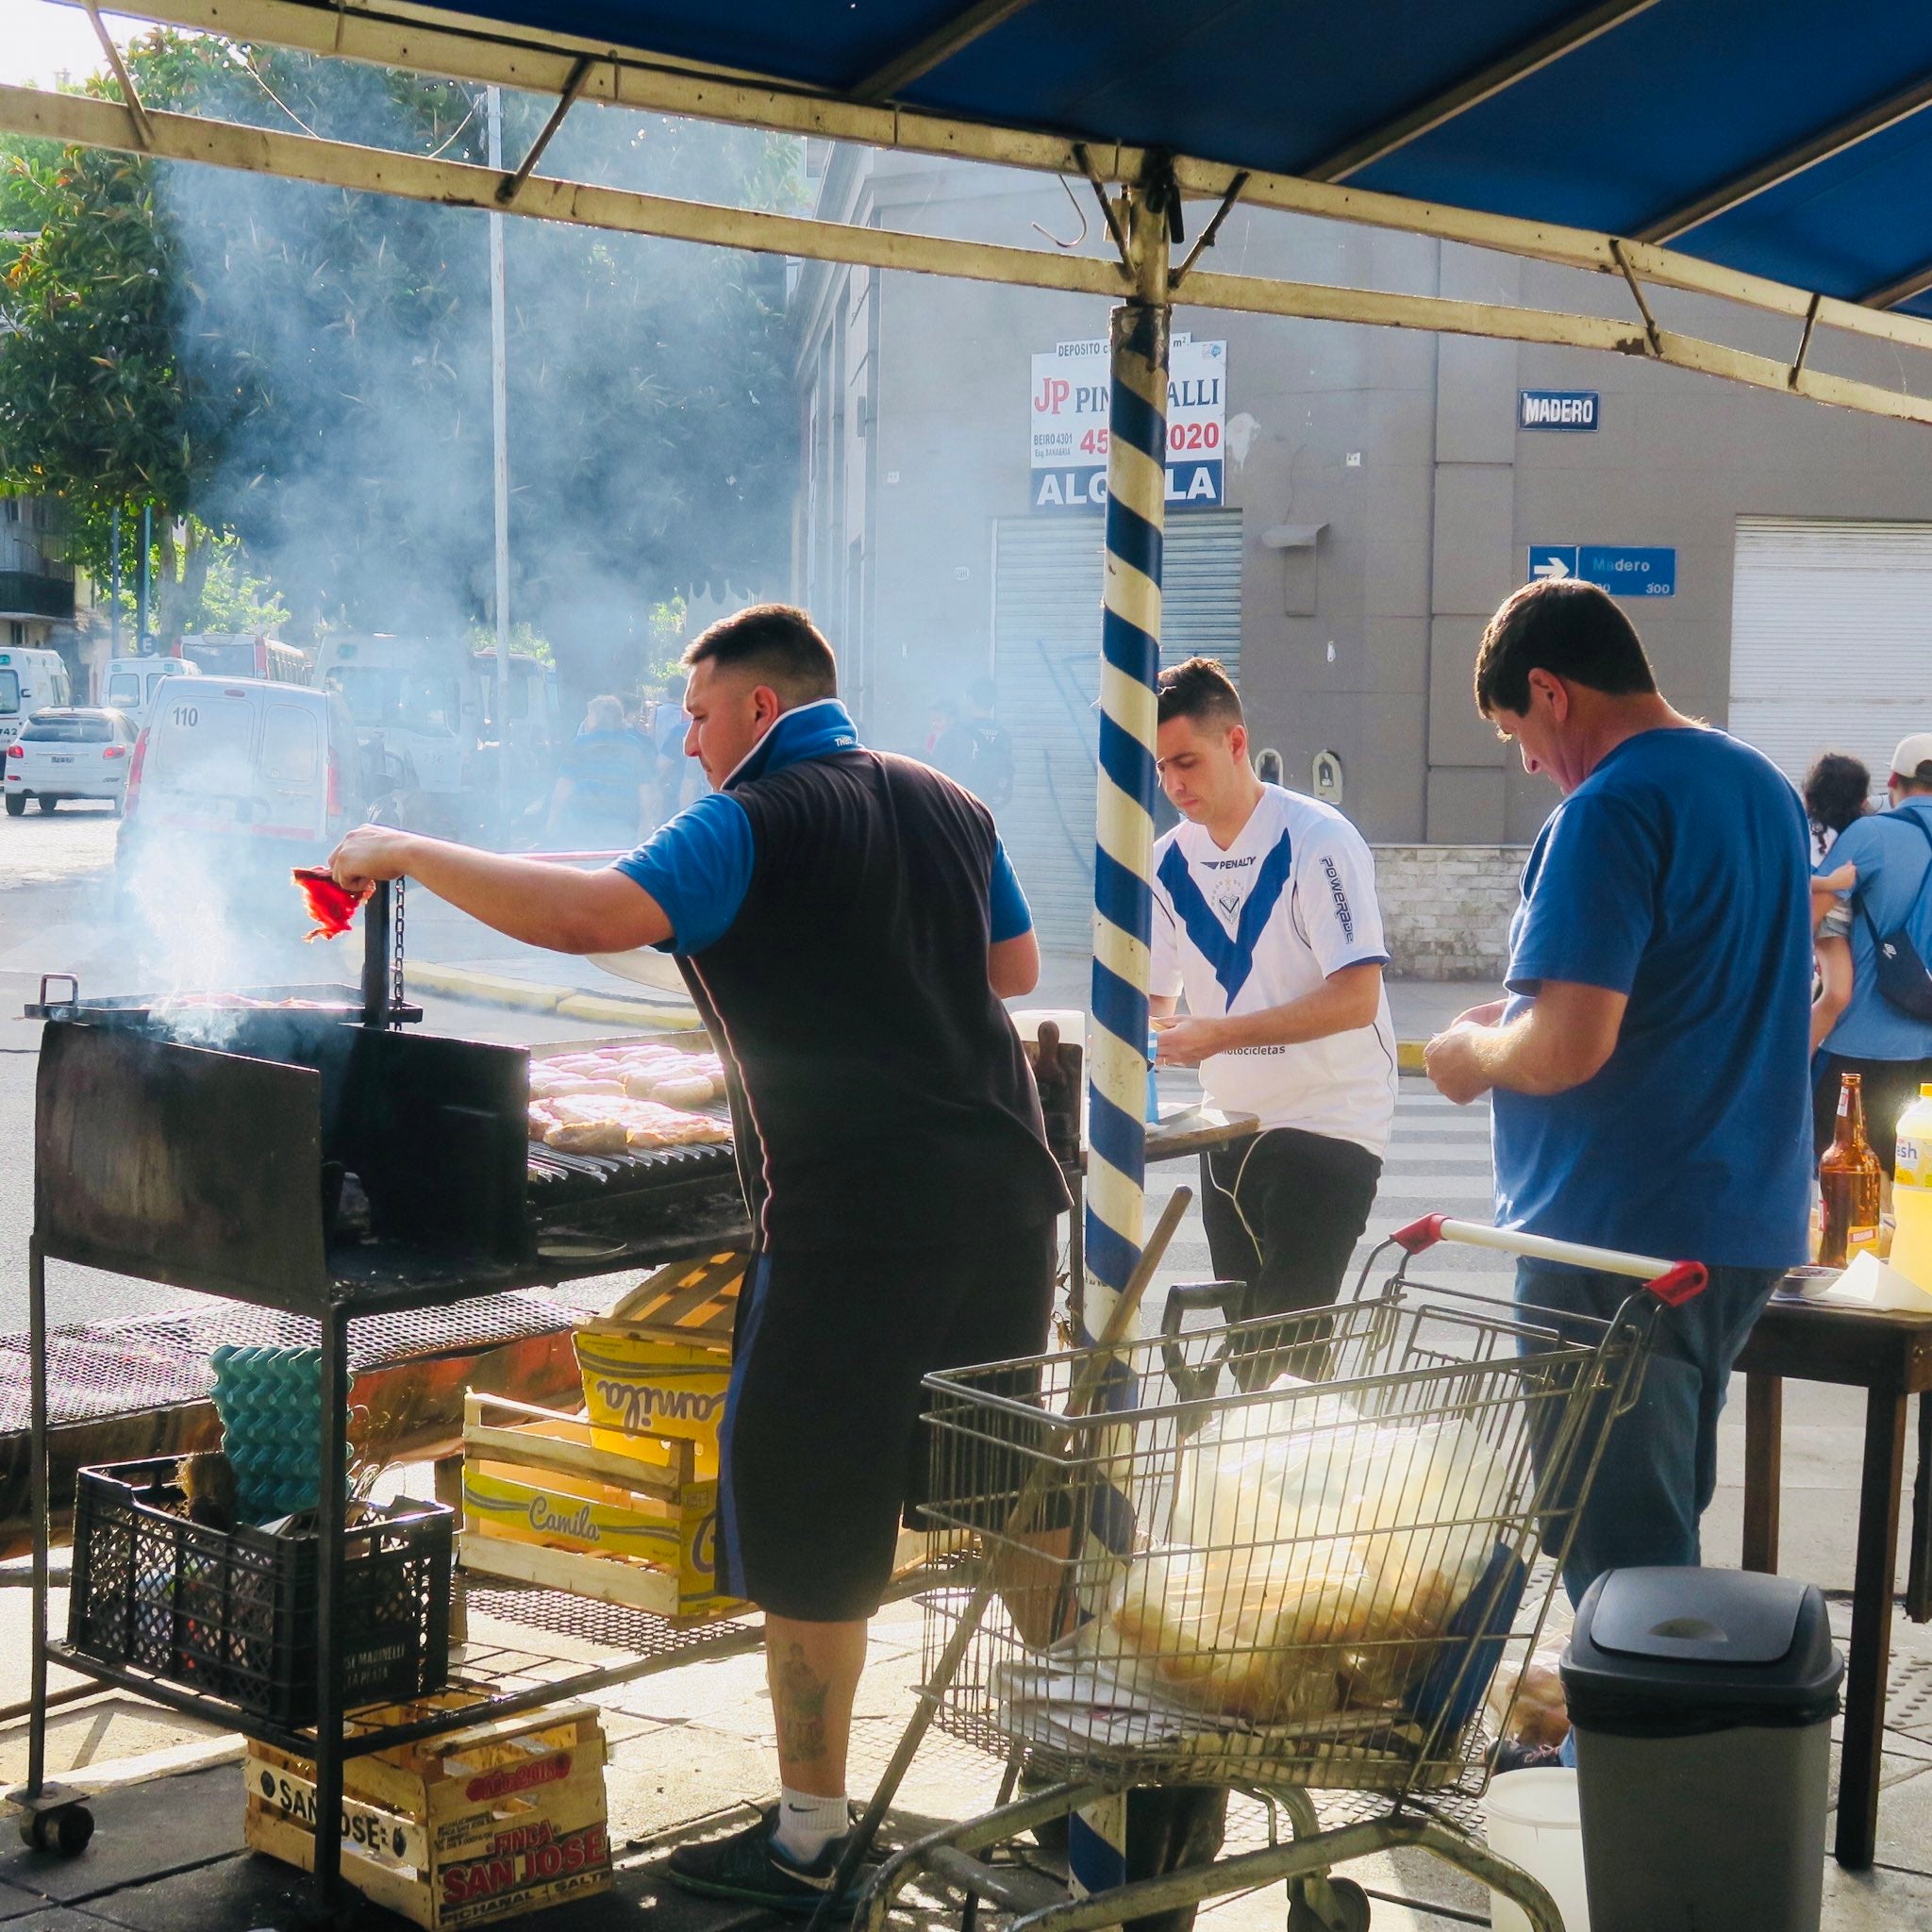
1848, 1183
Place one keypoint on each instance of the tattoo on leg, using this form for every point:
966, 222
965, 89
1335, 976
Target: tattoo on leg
800, 1708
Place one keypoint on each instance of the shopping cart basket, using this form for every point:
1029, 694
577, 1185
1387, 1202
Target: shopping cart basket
1279, 1556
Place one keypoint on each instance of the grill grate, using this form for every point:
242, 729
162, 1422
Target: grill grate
97, 1370
610, 1626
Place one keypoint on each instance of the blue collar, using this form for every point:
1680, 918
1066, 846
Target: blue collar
816, 730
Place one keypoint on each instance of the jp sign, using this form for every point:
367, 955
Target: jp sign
1621, 571
1557, 408
1069, 410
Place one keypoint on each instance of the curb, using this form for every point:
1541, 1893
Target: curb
533, 996
1409, 1055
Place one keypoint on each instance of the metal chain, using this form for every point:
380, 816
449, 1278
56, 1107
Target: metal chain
395, 1008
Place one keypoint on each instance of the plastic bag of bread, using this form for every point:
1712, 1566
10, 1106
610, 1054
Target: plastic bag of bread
1538, 1714
1316, 1558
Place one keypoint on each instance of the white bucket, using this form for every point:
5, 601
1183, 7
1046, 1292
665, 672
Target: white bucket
1535, 1822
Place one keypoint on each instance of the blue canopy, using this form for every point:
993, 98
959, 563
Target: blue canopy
1786, 138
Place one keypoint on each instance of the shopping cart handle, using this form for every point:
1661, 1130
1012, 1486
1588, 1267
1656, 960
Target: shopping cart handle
1673, 1282
1420, 1236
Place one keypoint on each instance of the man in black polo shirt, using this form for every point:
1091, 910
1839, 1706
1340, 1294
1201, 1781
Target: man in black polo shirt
848, 925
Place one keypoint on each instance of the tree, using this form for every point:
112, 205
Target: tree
308, 369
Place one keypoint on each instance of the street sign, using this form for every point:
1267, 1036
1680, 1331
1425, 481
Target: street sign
1557, 408
1616, 568
1070, 397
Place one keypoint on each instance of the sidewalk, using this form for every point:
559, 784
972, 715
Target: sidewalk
689, 1755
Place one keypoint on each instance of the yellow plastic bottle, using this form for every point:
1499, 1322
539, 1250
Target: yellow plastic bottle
1912, 1198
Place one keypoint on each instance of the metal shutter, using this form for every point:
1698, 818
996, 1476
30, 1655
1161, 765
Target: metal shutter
1831, 639
1046, 662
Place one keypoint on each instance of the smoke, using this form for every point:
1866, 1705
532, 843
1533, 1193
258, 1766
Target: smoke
339, 350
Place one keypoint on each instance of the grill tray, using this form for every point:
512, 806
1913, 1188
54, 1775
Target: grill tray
334, 1005
560, 1180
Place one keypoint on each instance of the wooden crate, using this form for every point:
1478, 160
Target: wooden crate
687, 1301
623, 1518
636, 1380
482, 1823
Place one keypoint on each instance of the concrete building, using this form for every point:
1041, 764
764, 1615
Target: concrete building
36, 580
1379, 496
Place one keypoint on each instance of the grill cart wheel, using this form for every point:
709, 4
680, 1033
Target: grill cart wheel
1345, 1907
64, 1831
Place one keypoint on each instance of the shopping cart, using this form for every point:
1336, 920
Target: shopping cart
1279, 1557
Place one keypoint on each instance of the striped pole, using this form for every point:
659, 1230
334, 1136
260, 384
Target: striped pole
1123, 817
1123, 839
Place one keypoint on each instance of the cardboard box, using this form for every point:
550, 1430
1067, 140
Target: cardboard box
478, 1825
641, 1383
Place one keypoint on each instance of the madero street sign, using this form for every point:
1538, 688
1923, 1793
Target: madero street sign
1621, 571
1557, 408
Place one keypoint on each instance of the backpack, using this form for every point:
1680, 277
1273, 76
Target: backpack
1904, 978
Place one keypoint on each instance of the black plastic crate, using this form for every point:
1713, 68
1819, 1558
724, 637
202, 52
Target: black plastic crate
234, 1613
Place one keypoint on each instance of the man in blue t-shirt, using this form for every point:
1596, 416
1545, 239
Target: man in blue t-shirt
1649, 1064
1882, 1043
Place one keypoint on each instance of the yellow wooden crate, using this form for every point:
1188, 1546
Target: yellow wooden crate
482, 1823
624, 1517
638, 1380
687, 1301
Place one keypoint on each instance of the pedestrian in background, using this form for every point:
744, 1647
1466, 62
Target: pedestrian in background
1836, 792
603, 797
1889, 1048
1649, 1062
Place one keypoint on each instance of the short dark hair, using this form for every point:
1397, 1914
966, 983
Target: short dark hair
1837, 790
779, 643
1200, 690
1573, 631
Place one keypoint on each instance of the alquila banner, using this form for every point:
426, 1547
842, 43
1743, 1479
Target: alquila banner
1069, 419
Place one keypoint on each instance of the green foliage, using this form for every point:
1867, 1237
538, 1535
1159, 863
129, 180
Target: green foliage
306, 371
524, 642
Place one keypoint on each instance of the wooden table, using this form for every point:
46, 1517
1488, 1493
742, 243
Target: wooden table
1890, 1356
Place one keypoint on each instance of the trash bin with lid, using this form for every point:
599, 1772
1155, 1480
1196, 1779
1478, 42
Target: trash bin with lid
1702, 1701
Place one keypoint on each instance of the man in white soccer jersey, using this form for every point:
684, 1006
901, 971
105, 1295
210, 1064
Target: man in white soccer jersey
1265, 915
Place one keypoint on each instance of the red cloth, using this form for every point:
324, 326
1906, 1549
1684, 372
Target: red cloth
332, 907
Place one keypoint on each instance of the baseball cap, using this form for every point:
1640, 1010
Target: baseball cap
1913, 757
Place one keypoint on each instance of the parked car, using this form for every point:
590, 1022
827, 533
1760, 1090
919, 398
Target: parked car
131, 683
68, 752
258, 775
31, 681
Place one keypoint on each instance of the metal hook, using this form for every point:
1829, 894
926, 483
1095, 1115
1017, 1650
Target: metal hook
1079, 240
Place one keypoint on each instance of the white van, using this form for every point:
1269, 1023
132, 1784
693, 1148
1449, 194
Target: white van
268, 772
31, 681
131, 683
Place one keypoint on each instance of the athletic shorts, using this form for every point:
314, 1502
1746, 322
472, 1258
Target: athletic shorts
823, 1454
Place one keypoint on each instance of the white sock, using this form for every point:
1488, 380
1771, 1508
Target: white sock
807, 1824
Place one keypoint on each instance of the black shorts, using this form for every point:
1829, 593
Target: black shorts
822, 1450
1284, 1209
1886, 1087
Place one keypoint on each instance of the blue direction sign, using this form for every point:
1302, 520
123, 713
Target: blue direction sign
1557, 408
1623, 571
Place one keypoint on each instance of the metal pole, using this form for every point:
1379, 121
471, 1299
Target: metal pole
114, 607
499, 424
331, 1506
1124, 818
1124, 833
40, 1502
144, 580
